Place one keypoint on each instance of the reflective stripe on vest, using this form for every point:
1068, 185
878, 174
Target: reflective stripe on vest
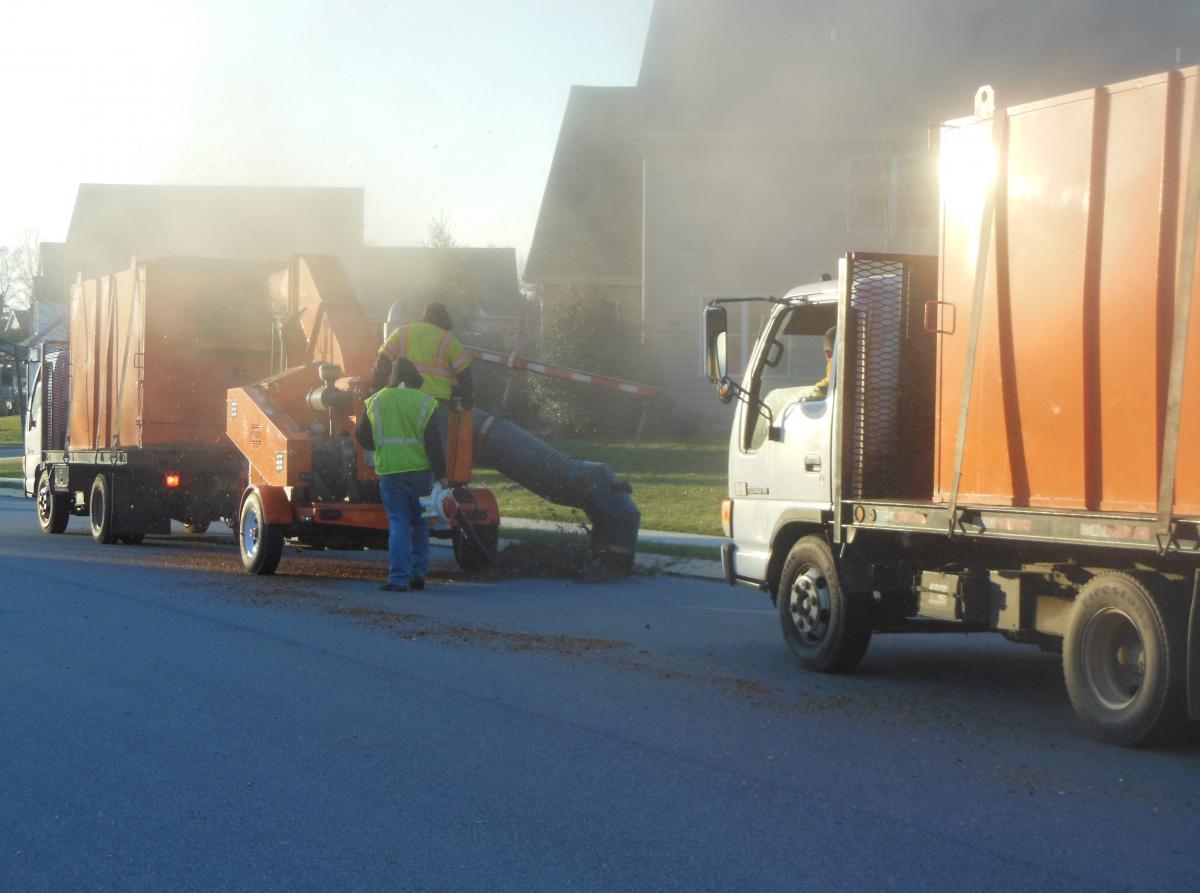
429, 349
399, 417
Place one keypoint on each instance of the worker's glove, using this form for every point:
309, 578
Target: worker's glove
383, 369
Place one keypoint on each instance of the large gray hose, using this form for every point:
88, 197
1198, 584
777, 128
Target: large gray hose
552, 475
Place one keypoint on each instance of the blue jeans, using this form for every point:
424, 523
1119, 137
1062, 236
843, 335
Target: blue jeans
408, 534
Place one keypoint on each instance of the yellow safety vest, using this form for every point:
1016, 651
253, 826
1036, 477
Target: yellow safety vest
399, 417
436, 353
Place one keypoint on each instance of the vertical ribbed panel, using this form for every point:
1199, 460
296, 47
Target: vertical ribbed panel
56, 380
873, 374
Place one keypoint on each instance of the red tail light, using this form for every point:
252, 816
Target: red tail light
171, 479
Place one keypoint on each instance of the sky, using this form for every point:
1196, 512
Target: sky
444, 109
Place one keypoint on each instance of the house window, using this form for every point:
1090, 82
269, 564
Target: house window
891, 195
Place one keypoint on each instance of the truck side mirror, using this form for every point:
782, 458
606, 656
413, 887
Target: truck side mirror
716, 324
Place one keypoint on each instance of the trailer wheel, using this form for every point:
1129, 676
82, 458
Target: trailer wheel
53, 509
1124, 658
100, 511
467, 553
260, 543
825, 628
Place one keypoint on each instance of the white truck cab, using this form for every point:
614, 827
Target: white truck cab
779, 447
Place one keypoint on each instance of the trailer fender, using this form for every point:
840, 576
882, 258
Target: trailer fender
1193, 652
275, 503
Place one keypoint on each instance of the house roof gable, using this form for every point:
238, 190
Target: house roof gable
590, 220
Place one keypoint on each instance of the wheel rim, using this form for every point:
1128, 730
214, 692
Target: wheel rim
1114, 658
251, 534
43, 501
808, 605
97, 508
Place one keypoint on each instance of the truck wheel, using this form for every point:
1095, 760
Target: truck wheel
53, 509
1124, 658
100, 511
196, 527
824, 627
467, 553
132, 539
260, 543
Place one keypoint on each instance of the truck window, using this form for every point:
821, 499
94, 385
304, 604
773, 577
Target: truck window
794, 370
34, 411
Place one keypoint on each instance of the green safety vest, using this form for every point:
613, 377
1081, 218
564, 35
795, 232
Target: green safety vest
399, 417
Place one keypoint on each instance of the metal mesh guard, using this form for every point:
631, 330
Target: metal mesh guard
56, 380
877, 299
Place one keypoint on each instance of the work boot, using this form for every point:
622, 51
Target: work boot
417, 583
394, 587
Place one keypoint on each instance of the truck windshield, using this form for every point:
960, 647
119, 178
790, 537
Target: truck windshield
795, 370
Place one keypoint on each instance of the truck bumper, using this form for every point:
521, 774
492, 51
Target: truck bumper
728, 560
727, 551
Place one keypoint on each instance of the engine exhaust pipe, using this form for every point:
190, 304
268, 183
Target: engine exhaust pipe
394, 319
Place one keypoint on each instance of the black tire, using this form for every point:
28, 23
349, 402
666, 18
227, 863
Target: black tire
826, 629
53, 509
196, 527
467, 553
100, 511
1125, 658
132, 539
260, 543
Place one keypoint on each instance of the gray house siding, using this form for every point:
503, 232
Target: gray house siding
753, 217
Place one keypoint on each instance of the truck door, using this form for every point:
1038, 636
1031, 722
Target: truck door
33, 431
782, 461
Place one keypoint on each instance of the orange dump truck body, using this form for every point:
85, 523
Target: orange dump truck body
154, 349
1071, 375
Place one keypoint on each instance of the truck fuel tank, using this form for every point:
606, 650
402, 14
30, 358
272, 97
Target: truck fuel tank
959, 596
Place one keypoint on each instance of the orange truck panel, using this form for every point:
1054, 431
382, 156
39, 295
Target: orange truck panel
154, 349
278, 451
1070, 383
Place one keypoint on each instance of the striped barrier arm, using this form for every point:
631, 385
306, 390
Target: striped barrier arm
605, 382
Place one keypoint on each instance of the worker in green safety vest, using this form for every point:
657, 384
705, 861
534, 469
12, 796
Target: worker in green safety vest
404, 427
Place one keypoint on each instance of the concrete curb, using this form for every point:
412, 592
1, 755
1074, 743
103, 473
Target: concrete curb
665, 537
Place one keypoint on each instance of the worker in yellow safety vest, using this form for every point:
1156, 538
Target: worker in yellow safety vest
431, 347
402, 424
821, 388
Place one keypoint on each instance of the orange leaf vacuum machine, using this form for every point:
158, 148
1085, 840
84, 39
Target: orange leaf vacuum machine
203, 389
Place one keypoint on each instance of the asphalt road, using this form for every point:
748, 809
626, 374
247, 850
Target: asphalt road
167, 722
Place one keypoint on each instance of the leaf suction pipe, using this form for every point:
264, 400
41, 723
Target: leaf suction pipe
578, 483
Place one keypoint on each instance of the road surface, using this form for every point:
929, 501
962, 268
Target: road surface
167, 722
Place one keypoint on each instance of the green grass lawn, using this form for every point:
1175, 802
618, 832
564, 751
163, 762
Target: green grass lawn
11, 468
676, 486
10, 430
